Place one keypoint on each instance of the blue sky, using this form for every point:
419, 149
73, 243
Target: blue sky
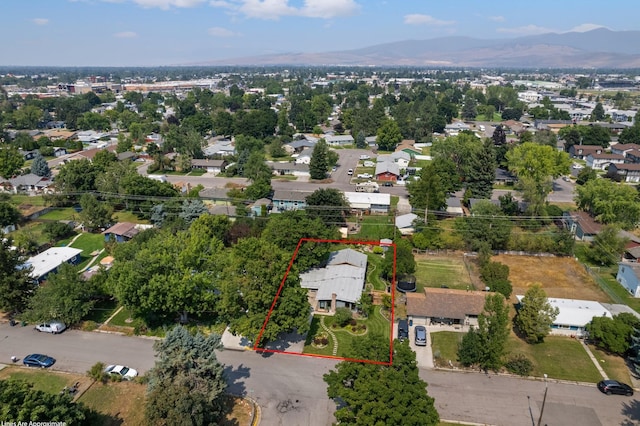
178, 32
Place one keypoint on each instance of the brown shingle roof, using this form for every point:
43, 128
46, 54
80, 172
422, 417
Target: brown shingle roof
588, 225
125, 229
445, 303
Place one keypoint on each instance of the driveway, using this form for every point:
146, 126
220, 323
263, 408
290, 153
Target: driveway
424, 354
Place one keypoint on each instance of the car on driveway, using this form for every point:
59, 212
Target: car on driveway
365, 176
38, 360
421, 335
53, 327
121, 371
403, 329
615, 387
387, 184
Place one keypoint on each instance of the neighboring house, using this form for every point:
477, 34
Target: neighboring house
443, 305
127, 155
582, 151
282, 169
339, 284
603, 161
289, 200
50, 260
404, 223
370, 202
573, 315
629, 276
211, 166
454, 206
298, 146
222, 148
339, 140
455, 128
629, 173
304, 157
371, 141
29, 183
624, 148
505, 177
223, 210
581, 224
401, 158
387, 171
27, 155
260, 207
122, 232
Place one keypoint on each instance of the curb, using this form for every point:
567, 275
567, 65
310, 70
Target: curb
530, 378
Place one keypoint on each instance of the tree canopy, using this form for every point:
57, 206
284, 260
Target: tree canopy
609, 202
613, 334
536, 315
16, 287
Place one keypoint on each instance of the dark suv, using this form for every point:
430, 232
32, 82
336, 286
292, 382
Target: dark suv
403, 329
613, 386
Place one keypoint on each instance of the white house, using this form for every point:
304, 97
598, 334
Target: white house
304, 157
369, 201
404, 223
50, 260
339, 139
603, 161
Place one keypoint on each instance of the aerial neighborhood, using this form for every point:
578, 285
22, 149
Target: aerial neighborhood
382, 223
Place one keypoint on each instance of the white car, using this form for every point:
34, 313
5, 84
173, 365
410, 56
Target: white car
364, 157
53, 327
365, 176
578, 166
125, 373
350, 172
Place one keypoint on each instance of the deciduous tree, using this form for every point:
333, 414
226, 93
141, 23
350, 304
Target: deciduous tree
10, 161
388, 135
15, 285
328, 205
536, 315
613, 334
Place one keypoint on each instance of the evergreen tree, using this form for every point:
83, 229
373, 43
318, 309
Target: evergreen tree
482, 172
499, 136
319, 164
535, 315
40, 167
469, 110
192, 209
361, 141
15, 285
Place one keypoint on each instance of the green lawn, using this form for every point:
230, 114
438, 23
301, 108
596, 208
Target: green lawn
445, 347
197, 172
101, 311
66, 213
117, 403
376, 324
88, 243
439, 271
374, 268
558, 357
373, 228
613, 365
125, 216
41, 380
120, 320
25, 199
36, 228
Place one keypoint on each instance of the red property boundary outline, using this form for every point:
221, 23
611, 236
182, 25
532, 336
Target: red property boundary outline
275, 300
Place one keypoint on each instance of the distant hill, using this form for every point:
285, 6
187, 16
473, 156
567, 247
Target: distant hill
599, 48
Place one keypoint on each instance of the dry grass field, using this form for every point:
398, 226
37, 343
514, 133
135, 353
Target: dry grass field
561, 277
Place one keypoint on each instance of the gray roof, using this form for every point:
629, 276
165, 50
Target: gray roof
29, 180
453, 202
281, 195
401, 154
208, 163
344, 276
387, 167
222, 210
338, 138
302, 143
406, 220
289, 166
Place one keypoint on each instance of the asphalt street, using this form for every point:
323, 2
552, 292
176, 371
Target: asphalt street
290, 389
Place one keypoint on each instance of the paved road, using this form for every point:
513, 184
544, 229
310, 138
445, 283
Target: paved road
291, 391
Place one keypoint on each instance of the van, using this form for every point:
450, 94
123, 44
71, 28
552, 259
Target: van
403, 329
481, 127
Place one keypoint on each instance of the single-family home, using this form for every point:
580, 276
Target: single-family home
455, 128
50, 260
339, 284
371, 141
304, 157
220, 148
581, 224
223, 210
298, 146
288, 168
629, 173
454, 206
445, 306
405, 223
371, 202
260, 207
629, 277
29, 183
387, 171
401, 158
573, 315
339, 140
505, 177
289, 200
603, 161
581, 151
624, 148
211, 166
127, 155
121, 232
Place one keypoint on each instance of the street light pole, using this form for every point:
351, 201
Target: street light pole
544, 400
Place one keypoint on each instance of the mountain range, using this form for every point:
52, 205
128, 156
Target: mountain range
598, 48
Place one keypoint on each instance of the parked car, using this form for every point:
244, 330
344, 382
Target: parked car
38, 360
365, 176
364, 157
121, 371
53, 327
403, 329
421, 335
387, 184
614, 387
350, 172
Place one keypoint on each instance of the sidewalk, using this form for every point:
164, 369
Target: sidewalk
594, 360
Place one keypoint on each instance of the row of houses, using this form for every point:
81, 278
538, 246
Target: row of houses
622, 163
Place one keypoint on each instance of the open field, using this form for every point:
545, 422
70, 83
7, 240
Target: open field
560, 277
436, 271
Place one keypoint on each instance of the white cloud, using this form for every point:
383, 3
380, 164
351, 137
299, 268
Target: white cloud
126, 34
40, 21
162, 4
274, 9
583, 28
497, 18
526, 30
221, 32
419, 19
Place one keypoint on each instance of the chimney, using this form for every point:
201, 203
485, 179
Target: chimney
334, 297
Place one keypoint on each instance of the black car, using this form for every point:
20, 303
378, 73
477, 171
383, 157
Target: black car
614, 387
403, 329
38, 360
387, 184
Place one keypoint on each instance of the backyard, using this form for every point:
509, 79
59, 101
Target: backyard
344, 336
434, 271
373, 228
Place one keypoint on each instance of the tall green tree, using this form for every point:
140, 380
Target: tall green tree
613, 334
388, 135
371, 394
319, 164
536, 315
65, 297
429, 192
16, 287
486, 225
329, 205
187, 383
77, 175
482, 172
404, 260
94, 214
10, 161
598, 113
609, 202
9, 215
40, 167
607, 247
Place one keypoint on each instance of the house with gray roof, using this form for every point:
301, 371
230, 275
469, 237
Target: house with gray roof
289, 200
404, 223
298, 146
339, 284
339, 139
220, 148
